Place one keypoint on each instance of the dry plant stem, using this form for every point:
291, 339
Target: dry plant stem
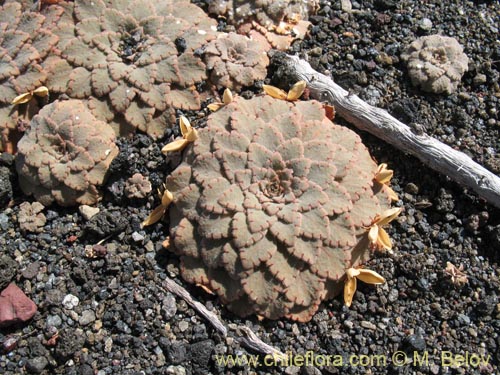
250, 340
245, 335
179, 291
438, 156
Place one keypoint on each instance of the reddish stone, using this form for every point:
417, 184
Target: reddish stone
15, 306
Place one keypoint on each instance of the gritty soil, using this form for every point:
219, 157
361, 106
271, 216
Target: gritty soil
98, 282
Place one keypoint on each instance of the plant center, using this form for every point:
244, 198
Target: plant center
273, 188
132, 44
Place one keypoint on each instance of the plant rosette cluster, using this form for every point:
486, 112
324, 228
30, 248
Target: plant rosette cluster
274, 207
65, 155
25, 41
271, 22
135, 62
436, 63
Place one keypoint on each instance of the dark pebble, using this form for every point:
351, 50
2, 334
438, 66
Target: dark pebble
68, 344
7, 159
164, 343
180, 44
46, 237
31, 271
54, 297
487, 305
494, 235
36, 365
177, 352
5, 186
200, 332
414, 343
85, 369
423, 283
36, 348
463, 319
8, 269
385, 4
200, 354
411, 188
106, 223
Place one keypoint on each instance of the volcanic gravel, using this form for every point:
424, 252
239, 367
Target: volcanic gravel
97, 282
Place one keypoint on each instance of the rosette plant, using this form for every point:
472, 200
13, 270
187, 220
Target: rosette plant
135, 60
436, 63
271, 206
276, 23
25, 41
65, 155
235, 61
267, 13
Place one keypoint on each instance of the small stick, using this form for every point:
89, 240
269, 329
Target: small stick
245, 336
179, 291
438, 156
250, 340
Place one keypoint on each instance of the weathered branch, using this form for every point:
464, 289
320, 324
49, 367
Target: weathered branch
179, 291
250, 340
244, 335
438, 156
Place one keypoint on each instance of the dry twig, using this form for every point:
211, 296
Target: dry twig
438, 156
179, 291
244, 335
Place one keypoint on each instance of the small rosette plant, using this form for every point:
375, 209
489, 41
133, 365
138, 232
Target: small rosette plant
273, 204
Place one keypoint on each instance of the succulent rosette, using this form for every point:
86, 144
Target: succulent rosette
275, 23
135, 60
272, 205
65, 155
235, 61
25, 41
436, 63
265, 12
